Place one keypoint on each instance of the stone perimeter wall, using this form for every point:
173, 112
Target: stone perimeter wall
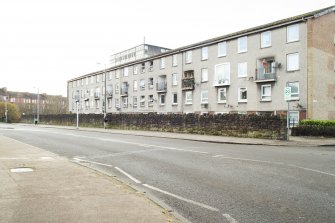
251, 126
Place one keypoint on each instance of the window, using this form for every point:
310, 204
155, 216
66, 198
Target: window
117, 88
135, 85
162, 99
125, 72
92, 104
142, 67
174, 98
142, 84
293, 33
188, 56
73, 84
117, 74
92, 92
266, 93
266, 39
142, 101
151, 82
98, 78
92, 79
204, 97
150, 100
151, 65
86, 81
78, 83
174, 60
242, 45
293, 118
109, 102
135, 101
87, 105
204, 53
174, 80
188, 97
204, 75
222, 95
294, 90
242, 69
222, 74
162, 63
124, 102
110, 76
242, 95
97, 104
292, 62
117, 103
222, 49
103, 77
135, 69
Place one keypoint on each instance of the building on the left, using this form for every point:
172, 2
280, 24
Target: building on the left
27, 102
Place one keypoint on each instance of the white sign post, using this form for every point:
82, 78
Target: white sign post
287, 97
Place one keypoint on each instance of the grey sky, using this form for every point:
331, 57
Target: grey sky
45, 43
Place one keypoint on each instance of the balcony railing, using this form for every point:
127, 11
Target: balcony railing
265, 75
161, 86
124, 90
187, 83
222, 82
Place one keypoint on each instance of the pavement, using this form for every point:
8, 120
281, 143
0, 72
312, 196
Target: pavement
58, 190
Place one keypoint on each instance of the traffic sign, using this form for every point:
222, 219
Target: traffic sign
287, 93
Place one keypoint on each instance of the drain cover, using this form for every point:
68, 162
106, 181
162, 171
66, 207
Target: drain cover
21, 170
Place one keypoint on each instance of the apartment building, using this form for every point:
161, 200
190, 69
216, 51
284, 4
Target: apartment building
242, 72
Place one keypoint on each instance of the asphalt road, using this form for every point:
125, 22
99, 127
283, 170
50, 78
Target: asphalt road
205, 182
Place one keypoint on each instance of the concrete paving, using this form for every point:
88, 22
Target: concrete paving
57, 190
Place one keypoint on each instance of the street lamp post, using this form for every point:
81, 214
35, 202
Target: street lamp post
104, 102
37, 106
6, 108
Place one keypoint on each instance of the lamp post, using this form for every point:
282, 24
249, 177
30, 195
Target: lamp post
37, 106
6, 108
105, 96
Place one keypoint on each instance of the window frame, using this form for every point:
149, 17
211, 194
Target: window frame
289, 67
297, 97
240, 99
202, 75
188, 98
175, 60
162, 63
216, 76
173, 97
188, 57
239, 70
204, 53
221, 46
174, 79
239, 44
266, 97
219, 95
160, 99
263, 40
203, 99
294, 38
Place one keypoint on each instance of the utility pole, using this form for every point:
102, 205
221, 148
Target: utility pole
6, 109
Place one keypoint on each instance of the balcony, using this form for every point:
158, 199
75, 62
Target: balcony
265, 75
187, 83
124, 91
222, 82
161, 86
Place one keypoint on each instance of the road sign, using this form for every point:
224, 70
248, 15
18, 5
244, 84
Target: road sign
287, 93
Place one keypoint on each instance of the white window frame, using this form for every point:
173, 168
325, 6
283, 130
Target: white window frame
188, 97
125, 72
204, 97
204, 74
222, 49
295, 94
117, 103
242, 69
142, 101
292, 62
150, 100
224, 78
266, 97
162, 63
292, 37
174, 79
135, 85
222, 90
86, 81
173, 102
188, 56
117, 74
98, 78
142, 84
204, 53
266, 39
240, 47
174, 60
135, 69
160, 99
240, 91
134, 101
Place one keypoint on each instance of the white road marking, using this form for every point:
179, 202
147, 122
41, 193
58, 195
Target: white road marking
229, 218
216, 156
182, 198
88, 161
280, 163
128, 175
124, 153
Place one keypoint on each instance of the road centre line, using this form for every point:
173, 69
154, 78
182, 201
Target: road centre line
279, 163
229, 218
182, 198
93, 162
128, 175
124, 153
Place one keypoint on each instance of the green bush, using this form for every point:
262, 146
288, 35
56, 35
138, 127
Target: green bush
314, 130
308, 122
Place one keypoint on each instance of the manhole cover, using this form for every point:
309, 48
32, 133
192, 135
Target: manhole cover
21, 170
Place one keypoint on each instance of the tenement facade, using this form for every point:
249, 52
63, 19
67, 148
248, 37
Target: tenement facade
242, 72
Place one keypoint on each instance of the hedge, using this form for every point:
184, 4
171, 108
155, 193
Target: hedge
324, 128
317, 122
